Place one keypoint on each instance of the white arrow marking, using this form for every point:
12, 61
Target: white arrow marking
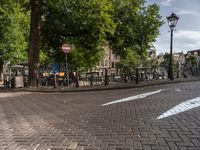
133, 98
190, 104
178, 90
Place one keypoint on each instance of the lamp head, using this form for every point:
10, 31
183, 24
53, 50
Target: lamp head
172, 20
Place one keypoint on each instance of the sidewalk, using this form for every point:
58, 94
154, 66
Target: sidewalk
112, 86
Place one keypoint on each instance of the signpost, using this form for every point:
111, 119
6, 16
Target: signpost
66, 49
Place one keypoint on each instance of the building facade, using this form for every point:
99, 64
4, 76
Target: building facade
109, 63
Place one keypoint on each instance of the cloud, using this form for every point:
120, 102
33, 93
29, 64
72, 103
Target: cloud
166, 2
187, 12
189, 35
184, 40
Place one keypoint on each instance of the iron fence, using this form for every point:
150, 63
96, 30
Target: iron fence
106, 76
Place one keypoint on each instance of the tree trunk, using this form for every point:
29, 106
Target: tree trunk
33, 52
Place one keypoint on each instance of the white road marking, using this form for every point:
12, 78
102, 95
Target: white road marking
178, 90
9, 94
190, 104
133, 97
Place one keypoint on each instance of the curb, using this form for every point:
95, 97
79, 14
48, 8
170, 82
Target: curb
104, 88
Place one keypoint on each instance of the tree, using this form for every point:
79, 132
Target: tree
13, 32
33, 52
89, 25
130, 61
191, 65
84, 24
191, 61
165, 63
137, 27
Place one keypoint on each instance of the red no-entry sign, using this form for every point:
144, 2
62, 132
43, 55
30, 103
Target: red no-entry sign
66, 48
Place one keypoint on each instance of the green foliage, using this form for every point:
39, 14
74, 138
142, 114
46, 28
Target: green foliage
191, 61
127, 26
130, 61
137, 27
165, 63
89, 25
151, 63
14, 32
44, 58
83, 61
83, 23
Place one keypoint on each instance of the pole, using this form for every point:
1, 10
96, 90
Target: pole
137, 76
170, 59
77, 83
106, 77
55, 82
67, 71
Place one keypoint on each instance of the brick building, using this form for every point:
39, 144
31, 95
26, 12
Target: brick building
109, 62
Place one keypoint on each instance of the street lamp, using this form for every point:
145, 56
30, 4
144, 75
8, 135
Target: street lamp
172, 21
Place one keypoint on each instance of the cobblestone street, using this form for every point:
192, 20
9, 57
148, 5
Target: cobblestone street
42, 121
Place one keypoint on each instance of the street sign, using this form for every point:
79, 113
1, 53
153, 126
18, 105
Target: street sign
66, 48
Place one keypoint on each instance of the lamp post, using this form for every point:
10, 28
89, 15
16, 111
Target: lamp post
172, 21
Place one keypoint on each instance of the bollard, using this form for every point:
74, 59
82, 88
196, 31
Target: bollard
91, 79
106, 76
77, 80
37, 80
55, 83
137, 76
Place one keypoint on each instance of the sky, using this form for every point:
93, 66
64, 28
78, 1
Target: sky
187, 32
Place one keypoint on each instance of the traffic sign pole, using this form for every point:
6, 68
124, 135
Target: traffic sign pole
67, 71
66, 49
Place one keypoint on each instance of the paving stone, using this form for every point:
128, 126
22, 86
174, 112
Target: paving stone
39, 121
160, 148
173, 146
146, 147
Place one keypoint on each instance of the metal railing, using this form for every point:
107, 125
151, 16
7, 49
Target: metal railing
106, 76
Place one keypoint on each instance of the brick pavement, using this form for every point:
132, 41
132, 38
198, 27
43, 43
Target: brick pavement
40, 121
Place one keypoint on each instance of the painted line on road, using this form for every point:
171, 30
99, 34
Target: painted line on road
133, 97
178, 90
182, 107
11, 94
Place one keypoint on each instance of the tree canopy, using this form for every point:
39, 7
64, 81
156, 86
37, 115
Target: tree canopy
137, 27
91, 25
14, 32
128, 27
83, 23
